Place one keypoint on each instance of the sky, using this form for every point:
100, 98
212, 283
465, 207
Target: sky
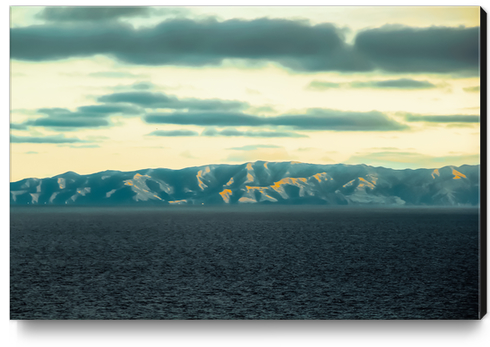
128, 88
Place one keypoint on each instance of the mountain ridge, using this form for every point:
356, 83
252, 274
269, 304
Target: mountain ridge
258, 182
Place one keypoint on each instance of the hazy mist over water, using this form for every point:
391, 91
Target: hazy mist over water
243, 262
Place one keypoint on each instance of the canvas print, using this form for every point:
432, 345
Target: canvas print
246, 163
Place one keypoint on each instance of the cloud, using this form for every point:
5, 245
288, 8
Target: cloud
160, 100
386, 148
18, 126
252, 91
43, 139
252, 147
421, 50
187, 154
108, 109
91, 116
326, 119
326, 159
442, 119
88, 146
402, 83
262, 109
293, 44
460, 125
171, 133
206, 119
113, 74
91, 111
143, 86
403, 160
62, 122
91, 14
31, 152
79, 146
171, 11
306, 149
96, 138
322, 85
23, 111
228, 132
191, 43
258, 152
314, 119
474, 89
232, 132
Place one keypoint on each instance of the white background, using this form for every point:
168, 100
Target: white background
214, 333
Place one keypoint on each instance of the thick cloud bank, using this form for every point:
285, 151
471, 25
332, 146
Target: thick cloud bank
293, 44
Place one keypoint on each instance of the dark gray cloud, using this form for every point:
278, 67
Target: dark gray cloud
429, 50
314, 119
92, 116
67, 123
402, 83
193, 43
43, 139
232, 132
293, 44
442, 119
160, 100
143, 86
125, 104
172, 133
109, 109
92, 111
474, 89
91, 14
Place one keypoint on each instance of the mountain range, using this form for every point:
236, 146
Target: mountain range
257, 182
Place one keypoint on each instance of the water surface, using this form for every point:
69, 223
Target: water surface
263, 262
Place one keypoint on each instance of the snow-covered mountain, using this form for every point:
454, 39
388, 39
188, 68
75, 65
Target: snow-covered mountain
257, 183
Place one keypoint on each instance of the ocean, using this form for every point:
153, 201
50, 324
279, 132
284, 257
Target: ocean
243, 262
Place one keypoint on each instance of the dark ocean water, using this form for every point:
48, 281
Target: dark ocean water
249, 263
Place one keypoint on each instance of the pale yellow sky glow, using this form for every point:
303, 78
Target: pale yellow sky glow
400, 104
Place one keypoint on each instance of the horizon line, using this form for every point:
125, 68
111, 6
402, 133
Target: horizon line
243, 163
